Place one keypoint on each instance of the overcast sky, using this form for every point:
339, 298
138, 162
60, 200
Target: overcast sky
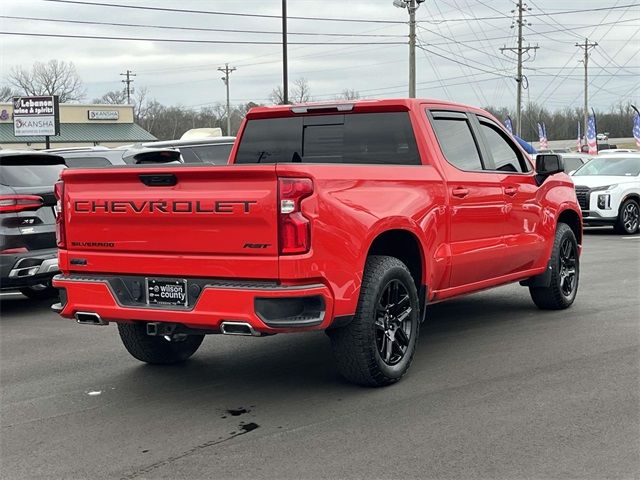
186, 73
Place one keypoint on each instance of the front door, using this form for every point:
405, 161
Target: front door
524, 245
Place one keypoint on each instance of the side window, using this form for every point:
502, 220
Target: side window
217, 154
505, 156
457, 142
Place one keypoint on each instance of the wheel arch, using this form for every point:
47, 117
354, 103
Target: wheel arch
573, 220
406, 246
630, 196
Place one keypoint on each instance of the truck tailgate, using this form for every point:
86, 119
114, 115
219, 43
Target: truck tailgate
190, 221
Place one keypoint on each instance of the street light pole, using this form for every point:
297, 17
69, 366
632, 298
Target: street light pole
412, 6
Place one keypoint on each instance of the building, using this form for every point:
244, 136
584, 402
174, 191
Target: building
80, 126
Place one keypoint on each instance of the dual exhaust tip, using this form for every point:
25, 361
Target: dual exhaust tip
238, 328
90, 318
227, 328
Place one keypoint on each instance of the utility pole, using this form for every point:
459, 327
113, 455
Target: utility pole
412, 48
128, 83
412, 6
520, 50
226, 70
586, 46
285, 62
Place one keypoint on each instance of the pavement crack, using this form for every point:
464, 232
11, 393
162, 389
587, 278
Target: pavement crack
244, 429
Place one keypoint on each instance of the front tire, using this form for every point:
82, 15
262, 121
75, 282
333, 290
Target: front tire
628, 221
376, 348
156, 349
565, 273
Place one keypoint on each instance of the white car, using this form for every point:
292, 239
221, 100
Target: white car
608, 191
616, 151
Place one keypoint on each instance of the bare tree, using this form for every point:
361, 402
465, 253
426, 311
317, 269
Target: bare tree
349, 94
299, 92
55, 77
7, 93
114, 97
277, 96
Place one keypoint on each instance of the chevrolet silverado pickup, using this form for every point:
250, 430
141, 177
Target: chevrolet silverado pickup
349, 217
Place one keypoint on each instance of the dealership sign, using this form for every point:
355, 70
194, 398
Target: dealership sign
36, 116
103, 114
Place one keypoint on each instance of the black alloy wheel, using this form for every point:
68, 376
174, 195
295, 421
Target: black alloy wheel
393, 324
568, 261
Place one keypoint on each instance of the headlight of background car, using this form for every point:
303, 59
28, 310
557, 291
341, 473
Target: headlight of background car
604, 201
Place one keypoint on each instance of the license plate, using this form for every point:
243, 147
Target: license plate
163, 291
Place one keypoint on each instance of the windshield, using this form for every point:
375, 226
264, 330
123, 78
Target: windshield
614, 166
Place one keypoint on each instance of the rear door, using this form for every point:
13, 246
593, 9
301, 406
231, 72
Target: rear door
476, 201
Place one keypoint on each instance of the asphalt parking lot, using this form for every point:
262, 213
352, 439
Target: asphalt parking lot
498, 389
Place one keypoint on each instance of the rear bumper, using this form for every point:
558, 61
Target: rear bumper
266, 306
28, 269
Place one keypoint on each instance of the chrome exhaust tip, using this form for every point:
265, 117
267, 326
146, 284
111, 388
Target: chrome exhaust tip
90, 318
238, 328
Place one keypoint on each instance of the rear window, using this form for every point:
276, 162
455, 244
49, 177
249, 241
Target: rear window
217, 154
30, 175
360, 138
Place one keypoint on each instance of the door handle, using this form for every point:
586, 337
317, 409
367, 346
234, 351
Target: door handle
460, 192
511, 191
159, 180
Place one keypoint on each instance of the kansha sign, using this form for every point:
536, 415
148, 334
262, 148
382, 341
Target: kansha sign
36, 116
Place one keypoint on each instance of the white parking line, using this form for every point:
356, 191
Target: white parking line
9, 294
635, 237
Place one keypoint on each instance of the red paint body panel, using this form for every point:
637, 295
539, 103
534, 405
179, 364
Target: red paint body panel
501, 231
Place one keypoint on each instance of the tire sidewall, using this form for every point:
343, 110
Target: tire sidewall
621, 226
396, 273
565, 234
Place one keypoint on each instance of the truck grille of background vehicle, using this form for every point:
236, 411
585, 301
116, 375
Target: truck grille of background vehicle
582, 193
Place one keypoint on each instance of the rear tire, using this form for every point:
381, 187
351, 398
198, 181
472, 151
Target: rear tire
628, 221
565, 273
156, 349
376, 348
39, 292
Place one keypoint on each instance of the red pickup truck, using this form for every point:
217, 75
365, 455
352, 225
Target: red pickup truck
348, 217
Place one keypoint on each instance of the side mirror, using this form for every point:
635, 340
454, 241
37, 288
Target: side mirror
548, 164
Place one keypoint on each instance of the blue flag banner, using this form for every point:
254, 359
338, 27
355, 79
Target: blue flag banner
509, 125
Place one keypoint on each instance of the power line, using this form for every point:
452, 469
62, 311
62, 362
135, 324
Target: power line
209, 12
492, 72
565, 12
185, 40
197, 29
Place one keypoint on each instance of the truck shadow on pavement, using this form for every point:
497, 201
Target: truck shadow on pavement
291, 362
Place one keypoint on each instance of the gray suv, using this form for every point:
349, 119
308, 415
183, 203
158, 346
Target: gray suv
28, 253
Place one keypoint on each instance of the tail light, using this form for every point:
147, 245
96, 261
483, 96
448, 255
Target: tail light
294, 229
58, 191
19, 203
